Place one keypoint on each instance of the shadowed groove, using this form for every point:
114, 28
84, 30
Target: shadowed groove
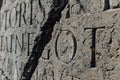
1, 2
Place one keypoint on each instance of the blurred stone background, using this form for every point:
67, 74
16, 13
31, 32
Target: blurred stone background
68, 55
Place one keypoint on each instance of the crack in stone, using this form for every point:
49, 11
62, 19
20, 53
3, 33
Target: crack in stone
43, 39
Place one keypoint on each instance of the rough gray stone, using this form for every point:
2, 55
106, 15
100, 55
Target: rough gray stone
83, 43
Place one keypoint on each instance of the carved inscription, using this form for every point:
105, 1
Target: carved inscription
111, 4
65, 46
17, 34
17, 16
43, 39
93, 46
106, 5
16, 43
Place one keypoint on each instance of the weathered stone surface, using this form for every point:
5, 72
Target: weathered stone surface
75, 40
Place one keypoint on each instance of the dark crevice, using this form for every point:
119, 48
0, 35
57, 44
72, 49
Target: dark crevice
43, 39
1, 1
93, 47
106, 5
31, 3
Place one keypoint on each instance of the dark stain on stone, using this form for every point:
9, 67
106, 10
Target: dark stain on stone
43, 39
